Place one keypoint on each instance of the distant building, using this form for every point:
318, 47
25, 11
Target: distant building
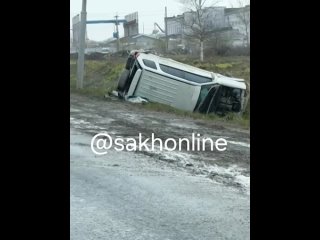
175, 28
139, 41
180, 26
232, 25
239, 20
174, 25
213, 19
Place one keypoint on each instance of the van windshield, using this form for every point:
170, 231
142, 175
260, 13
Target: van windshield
219, 99
203, 93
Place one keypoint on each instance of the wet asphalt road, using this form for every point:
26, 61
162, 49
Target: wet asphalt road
132, 197
127, 195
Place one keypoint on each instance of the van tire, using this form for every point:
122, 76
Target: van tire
129, 62
123, 79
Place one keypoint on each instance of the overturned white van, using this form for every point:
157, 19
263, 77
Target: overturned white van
179, 85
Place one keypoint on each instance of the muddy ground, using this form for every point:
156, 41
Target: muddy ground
120, 118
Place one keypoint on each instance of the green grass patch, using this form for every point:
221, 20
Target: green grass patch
232, 119
100, 78
223, 65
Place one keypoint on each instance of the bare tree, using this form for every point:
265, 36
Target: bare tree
197, 22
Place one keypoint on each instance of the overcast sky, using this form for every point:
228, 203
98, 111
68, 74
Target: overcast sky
149, 11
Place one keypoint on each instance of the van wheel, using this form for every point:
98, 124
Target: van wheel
123, 79
129, 62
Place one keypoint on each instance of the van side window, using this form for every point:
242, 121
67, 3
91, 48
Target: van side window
150, 64
184, 75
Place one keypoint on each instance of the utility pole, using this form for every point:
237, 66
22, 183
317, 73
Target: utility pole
80, 64
118, 41
166, 29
